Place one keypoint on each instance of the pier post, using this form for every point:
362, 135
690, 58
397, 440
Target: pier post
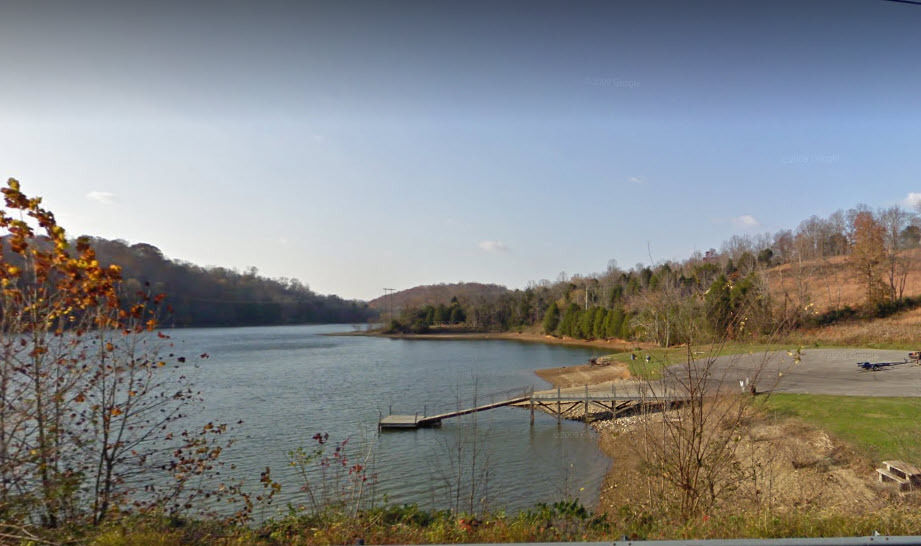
585, 410
531, 401
559, 413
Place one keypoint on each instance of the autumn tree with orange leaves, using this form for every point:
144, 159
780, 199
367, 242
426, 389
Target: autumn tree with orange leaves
868, 256
88, 408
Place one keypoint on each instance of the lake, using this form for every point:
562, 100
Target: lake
289, 383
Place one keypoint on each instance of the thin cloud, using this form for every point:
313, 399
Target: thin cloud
746, 221
913, 201
104, 197
637, 179
495, 247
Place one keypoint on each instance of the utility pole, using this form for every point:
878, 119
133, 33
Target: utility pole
389, 291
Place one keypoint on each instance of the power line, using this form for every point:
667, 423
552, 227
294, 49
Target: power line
389, 291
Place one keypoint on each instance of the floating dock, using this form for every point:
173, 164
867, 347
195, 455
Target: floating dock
404, 421
415, 421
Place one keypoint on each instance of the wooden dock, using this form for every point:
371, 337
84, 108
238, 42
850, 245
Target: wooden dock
415, 421
580, 407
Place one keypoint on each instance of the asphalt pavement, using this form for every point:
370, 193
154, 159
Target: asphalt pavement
811, 371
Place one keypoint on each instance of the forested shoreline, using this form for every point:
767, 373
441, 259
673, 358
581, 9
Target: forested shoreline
753, 286
218, 296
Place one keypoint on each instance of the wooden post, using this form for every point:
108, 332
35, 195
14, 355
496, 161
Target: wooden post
531, 399
559, 413
585, 411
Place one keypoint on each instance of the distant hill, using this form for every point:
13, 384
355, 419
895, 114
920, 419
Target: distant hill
434, 294
217, 296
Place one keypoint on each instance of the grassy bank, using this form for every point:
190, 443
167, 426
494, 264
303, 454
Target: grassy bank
881, 428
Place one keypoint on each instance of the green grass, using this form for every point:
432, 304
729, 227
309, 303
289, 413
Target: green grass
880, 428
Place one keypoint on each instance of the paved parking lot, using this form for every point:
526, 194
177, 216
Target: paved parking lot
824, 371
820, 371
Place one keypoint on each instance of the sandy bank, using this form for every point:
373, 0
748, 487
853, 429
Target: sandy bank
583, 374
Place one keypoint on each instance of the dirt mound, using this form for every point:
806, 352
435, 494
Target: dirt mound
781, 464
585, 374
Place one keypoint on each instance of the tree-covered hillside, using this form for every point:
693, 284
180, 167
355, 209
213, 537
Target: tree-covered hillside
858, 263
218, 296
436, 294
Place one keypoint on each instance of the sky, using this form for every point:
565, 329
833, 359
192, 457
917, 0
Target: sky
363, 145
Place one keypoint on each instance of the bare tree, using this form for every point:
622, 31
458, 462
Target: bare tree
894, 220
689, 448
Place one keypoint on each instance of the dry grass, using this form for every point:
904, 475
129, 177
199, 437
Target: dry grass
783, 466
829, 283
901, 331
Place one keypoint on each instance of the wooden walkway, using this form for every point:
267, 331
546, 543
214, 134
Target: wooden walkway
584, 407
415, 421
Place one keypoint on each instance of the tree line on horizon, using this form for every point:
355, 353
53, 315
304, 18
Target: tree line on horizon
218, 296
717, 293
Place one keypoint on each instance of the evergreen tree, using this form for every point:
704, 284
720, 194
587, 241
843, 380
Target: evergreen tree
614, 322
718, 302
586, 322
457, 314
598, 323
569, 324
441, 314
551, 318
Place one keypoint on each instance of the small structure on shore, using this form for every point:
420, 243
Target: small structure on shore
906, 476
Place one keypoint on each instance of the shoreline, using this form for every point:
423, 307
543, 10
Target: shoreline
615, 345
611, 434
574, 375
562, 376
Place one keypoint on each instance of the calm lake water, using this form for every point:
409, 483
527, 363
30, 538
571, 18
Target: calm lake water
288, 383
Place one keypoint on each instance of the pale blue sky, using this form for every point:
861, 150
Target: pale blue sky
358, 145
